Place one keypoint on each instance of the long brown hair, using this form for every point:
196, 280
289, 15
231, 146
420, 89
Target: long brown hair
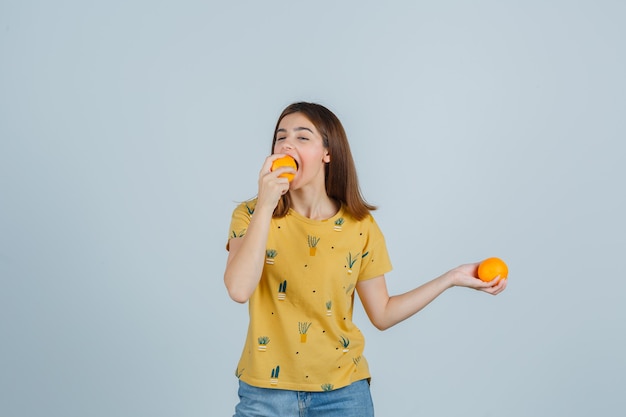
340, 173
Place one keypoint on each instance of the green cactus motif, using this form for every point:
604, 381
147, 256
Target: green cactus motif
356, 362
263, 341
313, 241
351, 261
282, 290
329, 305
338, 223
274, 376
241, 233
238, 372
345, 342
303, 328
327, 387
270, 254
250, 209
350, 288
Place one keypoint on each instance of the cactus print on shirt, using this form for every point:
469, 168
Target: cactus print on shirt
301, 335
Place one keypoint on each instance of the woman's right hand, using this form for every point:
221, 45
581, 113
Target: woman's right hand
246, 255
271, 185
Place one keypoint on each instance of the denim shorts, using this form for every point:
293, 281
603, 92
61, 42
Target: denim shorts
351, 401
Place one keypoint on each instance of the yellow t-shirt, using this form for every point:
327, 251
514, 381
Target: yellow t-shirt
301, 336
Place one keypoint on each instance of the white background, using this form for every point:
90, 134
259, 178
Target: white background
130, 129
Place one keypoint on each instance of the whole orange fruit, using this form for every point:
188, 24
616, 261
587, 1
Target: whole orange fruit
491, 268
285, 161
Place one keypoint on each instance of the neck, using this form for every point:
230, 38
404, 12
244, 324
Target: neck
314, 206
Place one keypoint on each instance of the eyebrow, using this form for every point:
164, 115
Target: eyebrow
297, 129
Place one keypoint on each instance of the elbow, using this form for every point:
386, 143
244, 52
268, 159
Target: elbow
236, 292
238, 296
382, 326
238, 299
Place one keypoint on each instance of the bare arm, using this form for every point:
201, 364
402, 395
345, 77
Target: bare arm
247, 254
385, 311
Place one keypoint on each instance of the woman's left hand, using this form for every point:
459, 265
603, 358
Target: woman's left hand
466, 276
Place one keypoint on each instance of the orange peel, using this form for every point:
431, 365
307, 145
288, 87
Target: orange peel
490, 268
285, 161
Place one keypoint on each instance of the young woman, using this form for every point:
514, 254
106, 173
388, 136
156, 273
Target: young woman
297, 253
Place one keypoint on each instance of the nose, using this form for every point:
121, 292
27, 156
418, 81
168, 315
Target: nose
286, 145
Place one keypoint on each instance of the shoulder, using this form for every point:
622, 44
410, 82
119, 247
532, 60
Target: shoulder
363, 227
245, 208
366, 221
370, 227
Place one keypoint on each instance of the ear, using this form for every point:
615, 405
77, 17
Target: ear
326, 158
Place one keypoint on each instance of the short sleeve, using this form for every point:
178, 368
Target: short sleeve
376, 259
240, 220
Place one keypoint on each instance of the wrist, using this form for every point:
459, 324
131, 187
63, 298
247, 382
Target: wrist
448, 280
263, 210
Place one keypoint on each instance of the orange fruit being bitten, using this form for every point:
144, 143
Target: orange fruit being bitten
491, 268
285, 161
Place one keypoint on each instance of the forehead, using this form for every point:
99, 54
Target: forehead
296, 121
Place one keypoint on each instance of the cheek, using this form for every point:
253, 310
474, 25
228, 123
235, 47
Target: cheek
312, 163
